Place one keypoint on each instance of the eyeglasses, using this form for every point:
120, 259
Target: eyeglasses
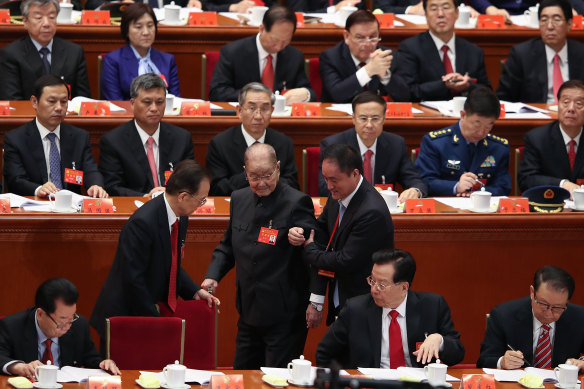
366, 119
262, 178
262, 110
379, 286
554, 20
444, 8
201, 202
66, 324
361, 40
555, 309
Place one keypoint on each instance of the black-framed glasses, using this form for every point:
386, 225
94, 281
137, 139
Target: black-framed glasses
361, 40
261, 178
66, 324
554, 308
378, 285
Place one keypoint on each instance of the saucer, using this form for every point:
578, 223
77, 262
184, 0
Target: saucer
490, 210
578, 209
146, 387
169, 23
566, 387
303, 384
70, 21
442, 385
71, 210
183, 386
38, 385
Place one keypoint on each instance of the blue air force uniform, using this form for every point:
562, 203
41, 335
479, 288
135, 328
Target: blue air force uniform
445, 155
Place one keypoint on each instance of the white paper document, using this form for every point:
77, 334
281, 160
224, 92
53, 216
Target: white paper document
416, 19
75, 104
395, 374
466, 203
505, 375
78, 374
201, 377
284, 373
17, 201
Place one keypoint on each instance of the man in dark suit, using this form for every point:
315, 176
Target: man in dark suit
385, 156
553, 154
529, 70
358, 63
266, 57
424, 66
38, 155
272, 279
370, 328
543, 329
323, 6
461, 158
137, 157
354, 223
23, 61
146, 269
51, 330
226, 150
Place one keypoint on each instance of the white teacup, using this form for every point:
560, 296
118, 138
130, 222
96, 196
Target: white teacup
390, 198
463, 15
578, 196
61, 201
300, 370
65, 13
169, 103
174, 374
436, 373
172, 12
256, 15
343, 14
458, 104
567, 375
481, 200
280, 103
46, 375
531, 17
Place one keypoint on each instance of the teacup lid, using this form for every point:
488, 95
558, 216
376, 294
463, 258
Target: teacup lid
172, 5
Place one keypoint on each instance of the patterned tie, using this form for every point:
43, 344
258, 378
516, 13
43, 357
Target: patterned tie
173, 266
45, 57
268, 74
48, 354
55, 162
150, 155
543, 351
396, 348
558, 79
572, 153
367, 170
446, 61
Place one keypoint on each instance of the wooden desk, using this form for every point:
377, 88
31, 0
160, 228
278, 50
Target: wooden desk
189, 43
474, 260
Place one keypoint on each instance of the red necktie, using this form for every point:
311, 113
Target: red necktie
330, 2
396, 348
48, 354
150, 155
543, 351
268, 74
367, 171
558, 80
173, 266
572, 153
446, 61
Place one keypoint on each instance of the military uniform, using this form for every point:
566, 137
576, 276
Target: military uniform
445, 155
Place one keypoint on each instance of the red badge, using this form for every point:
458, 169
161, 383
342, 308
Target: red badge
5, 206
268, 235
73, 176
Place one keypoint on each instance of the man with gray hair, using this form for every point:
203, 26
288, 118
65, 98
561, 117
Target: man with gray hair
225, 152
25, 60
137, 157
272, 279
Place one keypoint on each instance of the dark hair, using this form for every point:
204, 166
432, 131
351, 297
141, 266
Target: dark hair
360, 16
25, 6
563, 4
278, 13
48, 80
55, 289
346, 157
403, 263
455, 2
146, 81
482, 101
132, 13
571, 84
557, 278
186, 177
369, 97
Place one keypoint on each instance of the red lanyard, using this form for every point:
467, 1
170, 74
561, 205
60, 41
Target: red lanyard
334, 230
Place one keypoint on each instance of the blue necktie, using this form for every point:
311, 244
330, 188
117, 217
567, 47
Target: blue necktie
45, 56
342, 210
55, 162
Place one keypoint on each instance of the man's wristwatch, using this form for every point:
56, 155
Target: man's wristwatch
316, 306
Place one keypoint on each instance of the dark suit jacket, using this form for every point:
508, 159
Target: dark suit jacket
316, 6
419, 64
272, 280
139, 276
356, 335
545, 158
238, 65
19, 341
525, 76
21, 65
365, 228
25, 167
339, 79
225, 160
123, 161
120, 67
391, 160
394, 6
511, 323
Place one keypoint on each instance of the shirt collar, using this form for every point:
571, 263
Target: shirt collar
138, 56
363, 148
250, 140
38, 46
439, 42
144, 135
43, 131
169, 212
550, 54
356, 61
401, 309
537, 324
347, 199
567, 138
261, 51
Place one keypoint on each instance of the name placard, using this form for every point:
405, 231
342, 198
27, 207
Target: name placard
514, 205
299, 19
385, 20
203, 19
4, 108
420, 206
306, 109
399, 110
490, 21
202, 108
101, 18
5, 206
98, 206
4, 16
95, 108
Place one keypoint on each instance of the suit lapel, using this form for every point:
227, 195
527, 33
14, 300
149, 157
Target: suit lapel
33, 58
58, 58
35, 145
67, 150
374, 325
163, 152
558, 148
524, 339
433, 58
349, 64
30, 338
539, 61
382, 160
412, 324
136, 148
239, 145
130, 62
66, 347
165, 235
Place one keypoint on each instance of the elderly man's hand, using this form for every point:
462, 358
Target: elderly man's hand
24, 369
512, 360
109, 365
429, 349
313, 317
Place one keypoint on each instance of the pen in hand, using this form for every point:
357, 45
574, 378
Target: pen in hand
524, 360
